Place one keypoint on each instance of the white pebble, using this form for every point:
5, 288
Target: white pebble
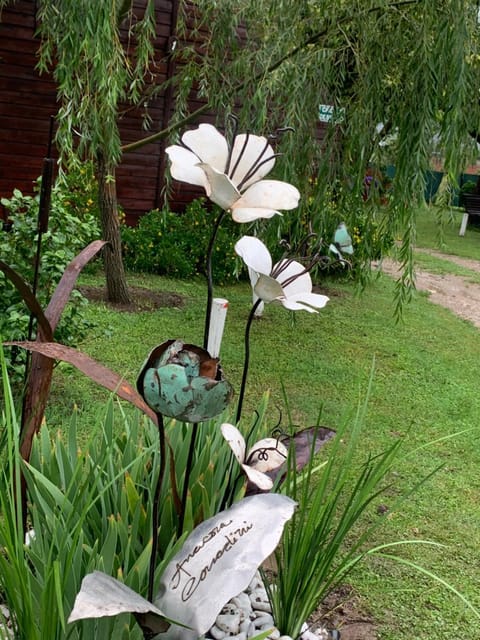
248, 627
256, 583
217, 633
242, 601
229, 608
259, 600
5, 611
261, 606
29, 537
229, 622
265, 619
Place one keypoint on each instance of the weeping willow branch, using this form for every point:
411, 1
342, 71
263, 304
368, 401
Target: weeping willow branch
314, 39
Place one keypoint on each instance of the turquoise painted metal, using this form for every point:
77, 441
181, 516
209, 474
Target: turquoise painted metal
183, 381
342, 239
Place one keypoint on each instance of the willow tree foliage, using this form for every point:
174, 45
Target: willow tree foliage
98, 73
408, 65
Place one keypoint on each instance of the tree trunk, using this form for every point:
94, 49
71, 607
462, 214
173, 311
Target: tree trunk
117, 289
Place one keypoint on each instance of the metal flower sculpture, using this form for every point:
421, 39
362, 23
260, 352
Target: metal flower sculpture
232, 174
266, 455
287, 282
183, 381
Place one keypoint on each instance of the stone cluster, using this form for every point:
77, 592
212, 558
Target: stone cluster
249, 614
5, 629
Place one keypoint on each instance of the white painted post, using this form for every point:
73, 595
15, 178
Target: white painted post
217, 324
463, 226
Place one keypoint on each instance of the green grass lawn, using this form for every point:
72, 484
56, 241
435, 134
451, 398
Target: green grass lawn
439, 231
426, 373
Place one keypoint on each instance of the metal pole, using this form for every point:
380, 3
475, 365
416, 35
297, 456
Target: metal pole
42, 227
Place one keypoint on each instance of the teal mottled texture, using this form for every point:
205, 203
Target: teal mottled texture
183, 382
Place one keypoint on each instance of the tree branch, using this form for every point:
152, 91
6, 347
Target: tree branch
314, 39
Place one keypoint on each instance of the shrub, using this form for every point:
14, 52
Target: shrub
72, 225
320, 213
175, 245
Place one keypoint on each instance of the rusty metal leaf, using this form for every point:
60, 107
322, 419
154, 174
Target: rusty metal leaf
67, 282
91, 368
303, 442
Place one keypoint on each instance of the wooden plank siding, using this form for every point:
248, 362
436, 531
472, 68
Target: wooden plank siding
28, 99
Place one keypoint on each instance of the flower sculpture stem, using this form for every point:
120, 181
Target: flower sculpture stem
246, 360
155, 509
209, 276
186, 481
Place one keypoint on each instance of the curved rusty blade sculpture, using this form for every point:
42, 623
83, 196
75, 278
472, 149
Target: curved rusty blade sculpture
97, 372
41, 369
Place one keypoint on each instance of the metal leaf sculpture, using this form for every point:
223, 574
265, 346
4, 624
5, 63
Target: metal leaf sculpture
29, 299
101, 596
216, 562
94, 370
308, 442
41, 369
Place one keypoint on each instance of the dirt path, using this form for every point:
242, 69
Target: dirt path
450, 291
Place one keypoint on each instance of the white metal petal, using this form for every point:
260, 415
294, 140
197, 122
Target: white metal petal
293, 277
244, 214
267, 454
220, 189
307, 301
253, 275
235, 441
258, 478
313, 299
184, 166
293, 305
271, 194
209, 145
254, 254
255, 146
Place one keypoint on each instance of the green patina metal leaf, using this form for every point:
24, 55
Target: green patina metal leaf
167, 390
209, 397
191, 362
171, 385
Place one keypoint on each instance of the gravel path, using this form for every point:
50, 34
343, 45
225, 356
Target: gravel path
450, 291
